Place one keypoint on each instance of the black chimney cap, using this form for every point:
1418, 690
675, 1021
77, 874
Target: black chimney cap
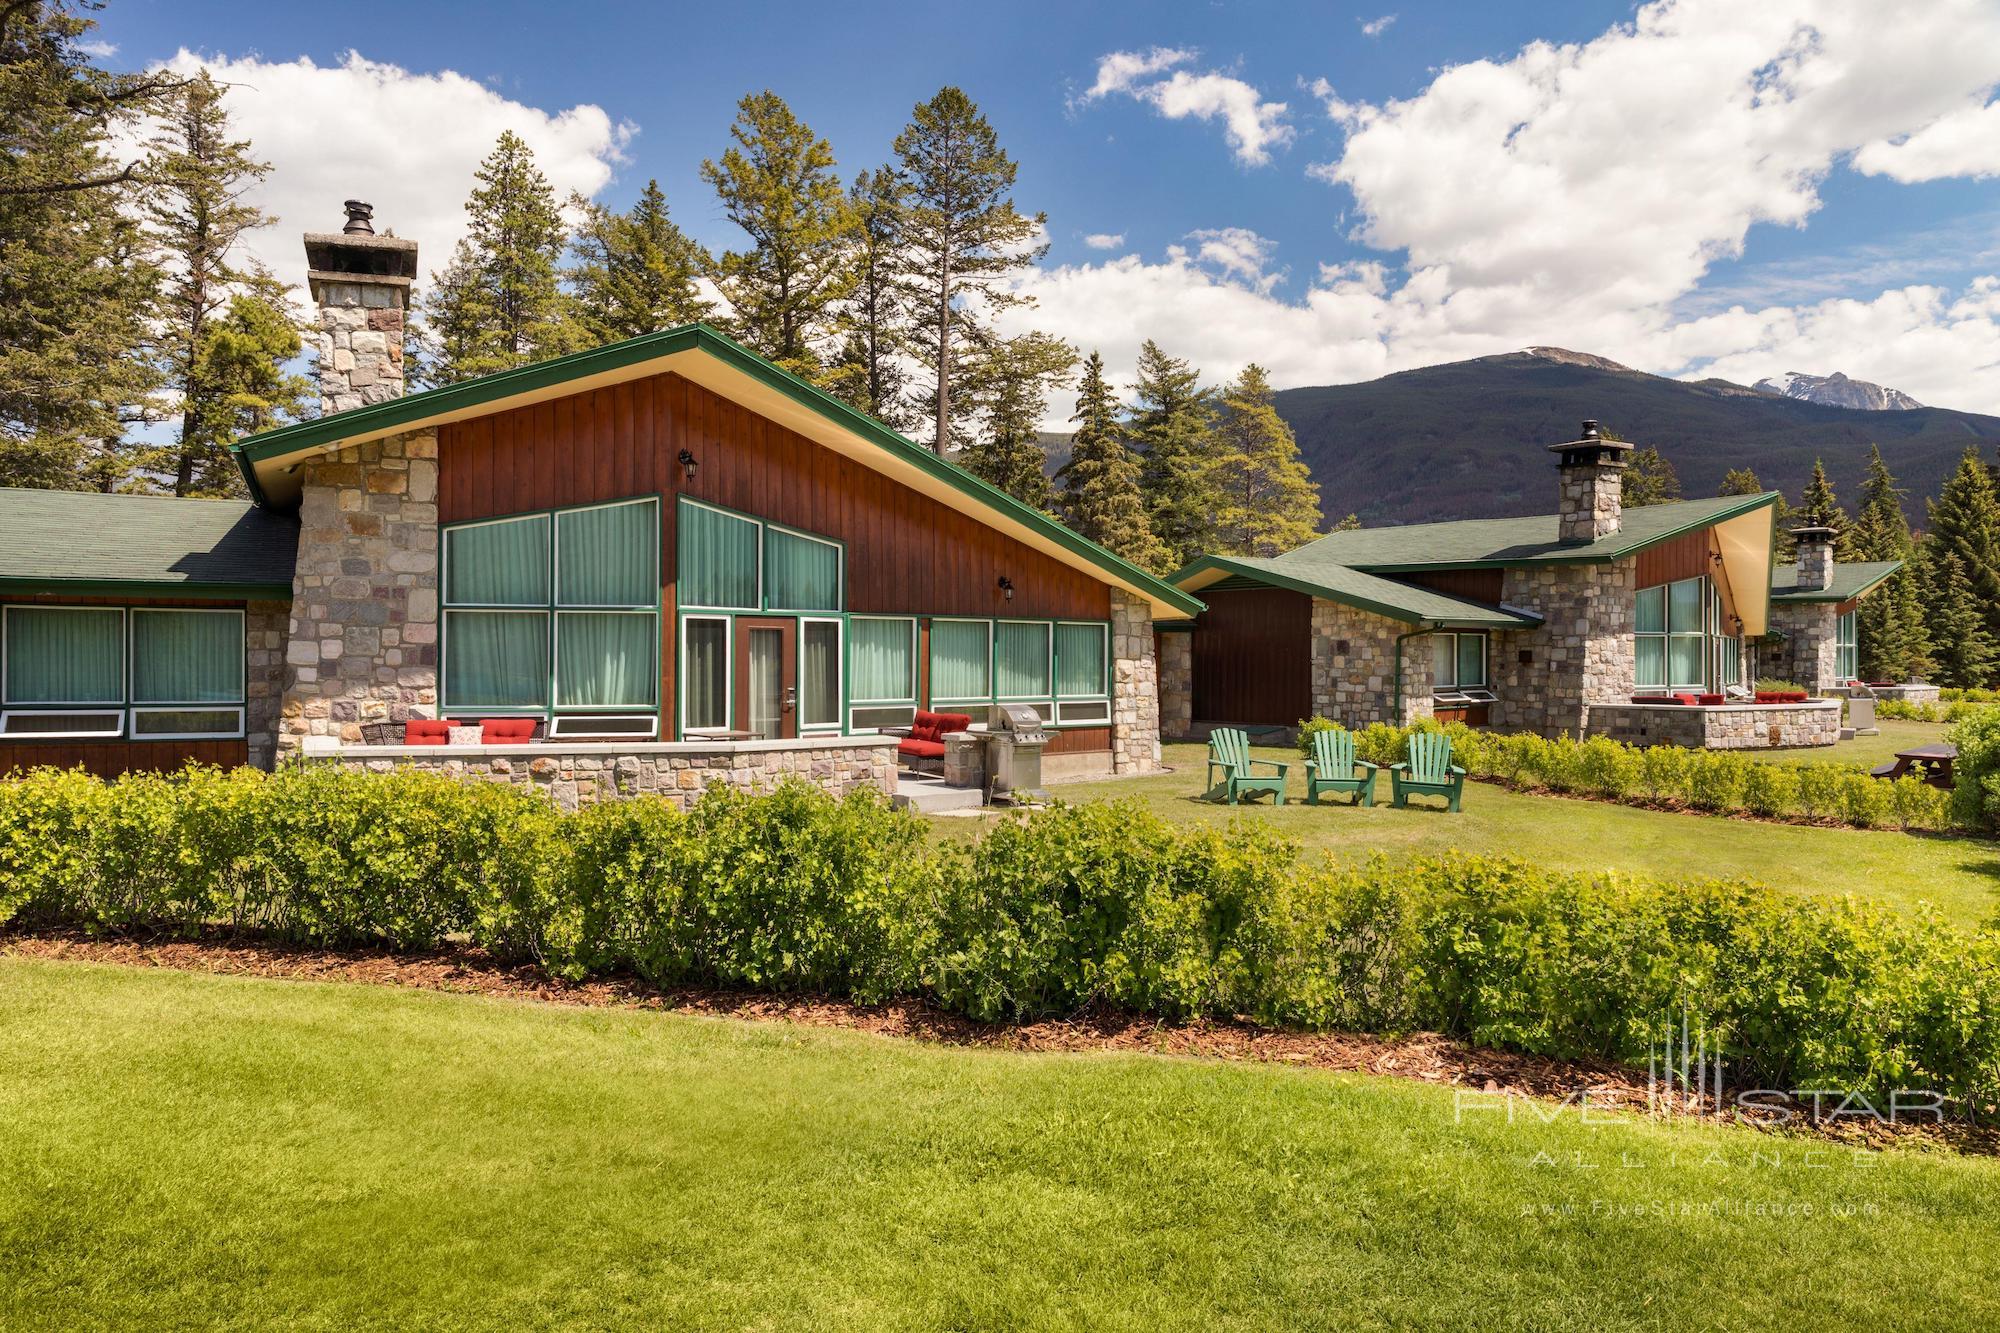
1591, 447
360, 218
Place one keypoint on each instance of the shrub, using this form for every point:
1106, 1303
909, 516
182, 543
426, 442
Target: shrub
1819, 790
47, 820
1769, 789
1975, 774
1310, 727
1778, 685
1663, 772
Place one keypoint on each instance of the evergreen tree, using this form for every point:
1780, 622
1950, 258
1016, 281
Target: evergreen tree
635, 271
1894, 641
875, 319
1101, 480
500, 302
1648, 479
1965, 527
1267, 502
1963, 644
1012, 388
76, 276
963, 239
1819, 507
777, 183
1740, 481
242, 366
1173, 428
1351, 523
199, 216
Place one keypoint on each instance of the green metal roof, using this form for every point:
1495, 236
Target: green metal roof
497, 389
1499, 542
89, 543
1352, 587
1850, 580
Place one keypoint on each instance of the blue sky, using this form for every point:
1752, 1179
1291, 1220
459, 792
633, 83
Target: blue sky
1681, 187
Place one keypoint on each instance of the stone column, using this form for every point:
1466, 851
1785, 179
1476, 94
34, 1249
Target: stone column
1176, 685
264, 628
361, 284
1135, 686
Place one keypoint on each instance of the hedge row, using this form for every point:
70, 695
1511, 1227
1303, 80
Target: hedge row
1956, 710
1717, 781
1046, 914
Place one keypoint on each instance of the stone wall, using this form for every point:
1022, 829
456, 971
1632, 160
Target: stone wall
1581, 653
1590, 500
1809, 652
264, 631
362, 644
583, 774
1176, 685
1135, 687
360, 345
1722, 727
1354, 667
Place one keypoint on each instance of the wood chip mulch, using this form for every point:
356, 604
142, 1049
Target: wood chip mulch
1425, 1057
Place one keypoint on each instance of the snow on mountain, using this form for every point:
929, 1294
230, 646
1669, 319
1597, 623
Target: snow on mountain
1836, 390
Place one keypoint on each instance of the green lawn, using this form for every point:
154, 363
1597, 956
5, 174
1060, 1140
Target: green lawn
1961, 876
1867, 751
180, 1149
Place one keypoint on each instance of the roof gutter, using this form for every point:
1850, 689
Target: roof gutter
244, 466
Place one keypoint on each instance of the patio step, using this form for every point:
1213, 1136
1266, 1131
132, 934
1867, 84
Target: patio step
929, 796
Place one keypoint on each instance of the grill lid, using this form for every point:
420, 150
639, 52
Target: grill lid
1020, 720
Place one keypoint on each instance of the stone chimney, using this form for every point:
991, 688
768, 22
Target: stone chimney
361, 283
1815, 558
1591, 503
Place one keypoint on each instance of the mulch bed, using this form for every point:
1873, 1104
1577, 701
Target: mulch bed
1425, 1057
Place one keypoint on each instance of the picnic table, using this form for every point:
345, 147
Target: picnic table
1935, 757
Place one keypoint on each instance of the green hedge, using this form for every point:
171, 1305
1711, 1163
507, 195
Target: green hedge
1046, 914
1716, 781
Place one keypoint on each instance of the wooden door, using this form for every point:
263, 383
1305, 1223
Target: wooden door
767, 677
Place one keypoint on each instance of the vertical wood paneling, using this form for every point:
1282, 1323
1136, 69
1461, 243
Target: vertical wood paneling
1252, 657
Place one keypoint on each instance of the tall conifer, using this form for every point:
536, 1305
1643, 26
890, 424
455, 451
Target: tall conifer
1267, 502
1965, 526
877, 336
636, 271
1010, 392
1101, 480
1173, 430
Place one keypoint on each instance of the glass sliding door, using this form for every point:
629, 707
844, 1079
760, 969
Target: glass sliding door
704, 674
819, 674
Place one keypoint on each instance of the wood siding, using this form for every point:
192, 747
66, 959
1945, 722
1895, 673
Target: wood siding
1481, 585
109, 758
1682, 558
1252, 657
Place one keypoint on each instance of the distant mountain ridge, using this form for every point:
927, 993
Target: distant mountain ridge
1466, 439
1836, 390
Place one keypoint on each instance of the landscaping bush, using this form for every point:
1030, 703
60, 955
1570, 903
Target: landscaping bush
1312, 726
1975, 773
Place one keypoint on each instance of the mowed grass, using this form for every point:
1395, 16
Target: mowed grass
1866, 751
180, 1149
1960, 876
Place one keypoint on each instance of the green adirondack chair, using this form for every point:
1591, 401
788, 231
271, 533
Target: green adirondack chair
1229, 750
1332, 768
1429, 771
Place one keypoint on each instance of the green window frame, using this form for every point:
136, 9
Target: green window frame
822, 668
43, 649
729, 561
802, 572
1024, 663
962, 658
705, 661
152, 672
1458, 662
1847, 647
881, 671
1671, 635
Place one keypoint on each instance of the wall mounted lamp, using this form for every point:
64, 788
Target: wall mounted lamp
689, 464
1006, 586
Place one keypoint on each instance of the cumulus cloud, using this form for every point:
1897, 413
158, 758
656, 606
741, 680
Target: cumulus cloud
407, 142
1965, 142
1376, 27
1104, 240
1252, 125
1239, 253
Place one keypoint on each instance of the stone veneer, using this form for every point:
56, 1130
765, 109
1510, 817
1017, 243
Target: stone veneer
1719, 727
1581, 654
582, 774
1176, 684
360, 349
1135, 687
1354, 667
264, 632
363, 640
1809, 654
1590, 500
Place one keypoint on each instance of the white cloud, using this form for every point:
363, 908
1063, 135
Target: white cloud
97, 49
1376, 27
1252, 125
1965, 142
1240, 254
404, 141
1104, 240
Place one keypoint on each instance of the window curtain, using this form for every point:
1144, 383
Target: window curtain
606, 659
1444, 661
705, 670
65, 657
819, 686
1080, 660
718, 559
496, 659
498, 564
1471, 660
879, 660
800, 575
960, 660
608, 556
187, 657
1650, 644
1022, 652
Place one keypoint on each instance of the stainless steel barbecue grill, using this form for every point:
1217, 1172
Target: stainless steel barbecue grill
1014, 745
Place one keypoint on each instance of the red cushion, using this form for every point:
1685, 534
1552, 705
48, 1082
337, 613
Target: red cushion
428, 731
920, 749
950, 722
1709, 700
1656, 699
1687, 699
506, 730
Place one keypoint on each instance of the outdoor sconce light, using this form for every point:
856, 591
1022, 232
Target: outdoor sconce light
688, 464
1007, 587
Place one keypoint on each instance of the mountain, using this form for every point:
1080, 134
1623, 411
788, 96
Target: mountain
1836, 390
1466, 440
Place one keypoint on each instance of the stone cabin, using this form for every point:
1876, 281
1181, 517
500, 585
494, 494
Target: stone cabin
658, 564
1594, 619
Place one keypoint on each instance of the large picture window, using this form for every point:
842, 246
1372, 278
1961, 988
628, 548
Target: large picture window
882, 671
1669, 646
1061, 668
733, 562
147, 673
961, 661
1847, 648
555, 612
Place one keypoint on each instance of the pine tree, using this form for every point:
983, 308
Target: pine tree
1740, 481
242, 365
1173, 428
500, 303
1352, 523
1101, 480
635, 271
963, 239
1964, 645
1965, 526
875, 319
1267, 502
1894, 640
77, 279
777, 183
199, 216
1649, 479
1012, 387
1819, 507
